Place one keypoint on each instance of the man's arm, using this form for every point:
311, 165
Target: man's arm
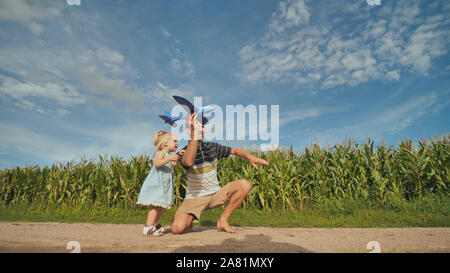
191, 150
240, 153
253, 159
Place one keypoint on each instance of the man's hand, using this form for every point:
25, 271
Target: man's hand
195, 127
192, 120
255, 160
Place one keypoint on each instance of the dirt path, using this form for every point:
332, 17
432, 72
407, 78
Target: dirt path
54, 237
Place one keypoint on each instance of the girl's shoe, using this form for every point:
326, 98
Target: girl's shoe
158, 226
153, 230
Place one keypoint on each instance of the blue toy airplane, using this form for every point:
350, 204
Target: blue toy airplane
190, 108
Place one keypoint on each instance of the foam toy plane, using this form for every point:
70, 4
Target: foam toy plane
168, 118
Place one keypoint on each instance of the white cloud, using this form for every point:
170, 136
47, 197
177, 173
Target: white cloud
73, 2
30, 106
49, 68
425, 44
179, 62
127, 139
393, 75
175, 64
389, 121
189, 68
366, 45
65, 95
63, 112
302, 113
109, 56
165, 32
28, 142
115, 88
111, 59
122, 140
404, 115
25, 11
48, 73
162, 92
37, 64
36, 28
292, 13
184, 68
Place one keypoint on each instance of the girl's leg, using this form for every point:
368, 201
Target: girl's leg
151, 226
160, 211
153, 215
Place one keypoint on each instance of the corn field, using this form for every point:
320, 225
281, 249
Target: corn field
344, 171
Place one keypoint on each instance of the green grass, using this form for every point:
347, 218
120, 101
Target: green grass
431, 212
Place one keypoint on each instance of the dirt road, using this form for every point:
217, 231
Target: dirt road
54, 237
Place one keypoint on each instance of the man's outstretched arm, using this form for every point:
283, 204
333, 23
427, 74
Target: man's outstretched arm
253, 159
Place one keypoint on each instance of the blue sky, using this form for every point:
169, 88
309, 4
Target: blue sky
90, 79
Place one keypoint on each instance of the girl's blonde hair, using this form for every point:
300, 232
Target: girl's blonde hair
161, 137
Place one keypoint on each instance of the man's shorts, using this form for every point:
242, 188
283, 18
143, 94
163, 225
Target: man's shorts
197, 205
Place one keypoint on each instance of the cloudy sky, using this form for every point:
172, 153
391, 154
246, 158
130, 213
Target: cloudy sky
89, 77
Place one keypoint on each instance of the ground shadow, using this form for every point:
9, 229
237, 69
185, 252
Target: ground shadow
258, 243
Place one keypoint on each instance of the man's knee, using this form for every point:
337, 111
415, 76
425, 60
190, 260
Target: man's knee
181, 222
245, 185
178, 227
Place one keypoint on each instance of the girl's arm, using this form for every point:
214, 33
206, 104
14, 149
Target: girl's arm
160, 160
253, 159
180, 153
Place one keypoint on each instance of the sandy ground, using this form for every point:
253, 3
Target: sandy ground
54, 237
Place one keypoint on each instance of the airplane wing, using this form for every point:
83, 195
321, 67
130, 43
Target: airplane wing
191, 109
187, 104
167, 120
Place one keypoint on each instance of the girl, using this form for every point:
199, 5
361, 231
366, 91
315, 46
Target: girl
157, 189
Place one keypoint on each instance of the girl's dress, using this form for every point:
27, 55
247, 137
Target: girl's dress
157, 189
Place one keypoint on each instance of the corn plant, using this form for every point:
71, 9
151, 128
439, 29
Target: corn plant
347, 171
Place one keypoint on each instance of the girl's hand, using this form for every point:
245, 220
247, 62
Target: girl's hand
173, 157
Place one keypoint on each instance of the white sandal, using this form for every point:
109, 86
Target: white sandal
158, 226
156, 230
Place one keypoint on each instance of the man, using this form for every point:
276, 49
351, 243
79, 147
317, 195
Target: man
203, 191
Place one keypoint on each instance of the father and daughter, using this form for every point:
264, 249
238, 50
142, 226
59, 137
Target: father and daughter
199, 159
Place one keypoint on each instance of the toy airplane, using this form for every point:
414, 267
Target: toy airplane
190, 108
